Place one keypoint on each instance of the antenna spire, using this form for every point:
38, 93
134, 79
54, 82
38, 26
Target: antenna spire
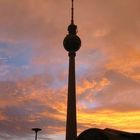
72, 12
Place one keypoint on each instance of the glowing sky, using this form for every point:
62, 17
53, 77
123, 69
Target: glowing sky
34, 66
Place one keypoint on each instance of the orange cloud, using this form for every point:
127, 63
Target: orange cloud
128, 121
93, 85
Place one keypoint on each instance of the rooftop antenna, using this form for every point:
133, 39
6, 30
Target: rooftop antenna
72, 12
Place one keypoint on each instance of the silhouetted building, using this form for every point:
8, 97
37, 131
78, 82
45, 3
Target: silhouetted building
107, 134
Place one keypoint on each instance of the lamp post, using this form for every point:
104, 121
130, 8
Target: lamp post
36, 131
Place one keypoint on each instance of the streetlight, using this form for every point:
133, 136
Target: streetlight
36, 131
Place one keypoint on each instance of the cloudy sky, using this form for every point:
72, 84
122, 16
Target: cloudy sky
34, 66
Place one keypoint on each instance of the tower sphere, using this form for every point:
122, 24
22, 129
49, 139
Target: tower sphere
72, 42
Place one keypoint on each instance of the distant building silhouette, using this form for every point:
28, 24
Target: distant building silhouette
107, 134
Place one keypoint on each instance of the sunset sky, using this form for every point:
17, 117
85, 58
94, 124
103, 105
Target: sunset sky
34, 66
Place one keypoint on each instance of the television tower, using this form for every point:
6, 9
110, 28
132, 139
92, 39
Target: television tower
72, 43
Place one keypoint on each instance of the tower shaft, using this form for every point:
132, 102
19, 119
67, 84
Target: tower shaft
71, 124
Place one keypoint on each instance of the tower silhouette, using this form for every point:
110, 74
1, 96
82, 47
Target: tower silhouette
71, 43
